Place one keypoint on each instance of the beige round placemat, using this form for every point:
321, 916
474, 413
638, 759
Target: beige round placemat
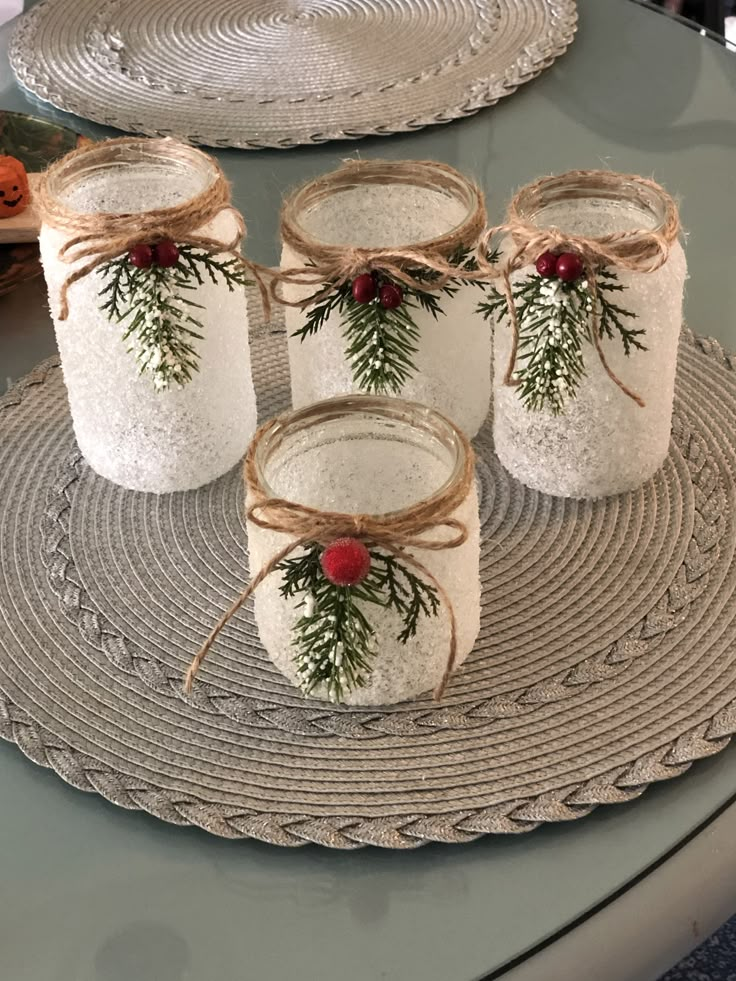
606, 659
277, 73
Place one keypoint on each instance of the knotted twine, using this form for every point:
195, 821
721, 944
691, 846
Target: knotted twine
99, 237
637, 250
393, 532
332, 266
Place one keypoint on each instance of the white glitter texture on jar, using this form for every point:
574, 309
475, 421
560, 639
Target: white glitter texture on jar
143, 439
603, 443
362, 463
454, 351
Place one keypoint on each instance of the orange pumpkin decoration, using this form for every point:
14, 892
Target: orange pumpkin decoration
15, 194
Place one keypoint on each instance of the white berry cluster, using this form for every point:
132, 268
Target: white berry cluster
329, 654
157, 360
558, 317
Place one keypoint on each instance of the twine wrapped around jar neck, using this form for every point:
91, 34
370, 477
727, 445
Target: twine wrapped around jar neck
413, 527
331, 266
98, 237
638, 250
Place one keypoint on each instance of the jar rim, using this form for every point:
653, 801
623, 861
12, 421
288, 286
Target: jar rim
125, 151
429, 174
413, 414
531, 200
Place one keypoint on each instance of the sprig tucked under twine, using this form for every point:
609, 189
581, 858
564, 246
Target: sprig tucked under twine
332, 266
394, 533
99, 237
637, 250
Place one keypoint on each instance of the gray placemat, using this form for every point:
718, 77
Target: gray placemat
606, 658
261, 73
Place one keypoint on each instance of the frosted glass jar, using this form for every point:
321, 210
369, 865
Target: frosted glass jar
129, 432
603, 442
370, 455
377, 206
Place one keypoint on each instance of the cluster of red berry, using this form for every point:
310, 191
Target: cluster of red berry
568, 266
164, 253
367, 286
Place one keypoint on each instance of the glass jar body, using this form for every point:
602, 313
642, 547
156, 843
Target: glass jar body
131, 433
603, 442
451, 366
361, 462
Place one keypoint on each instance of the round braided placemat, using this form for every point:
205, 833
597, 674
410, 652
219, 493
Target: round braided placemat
606, 659
272, 73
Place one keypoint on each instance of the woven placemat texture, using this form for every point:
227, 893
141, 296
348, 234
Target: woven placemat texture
265, 73
606, 658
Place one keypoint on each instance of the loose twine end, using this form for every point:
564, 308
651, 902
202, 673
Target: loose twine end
451, 657
267, 569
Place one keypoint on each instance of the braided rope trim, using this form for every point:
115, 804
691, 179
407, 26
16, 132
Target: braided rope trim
15, 395
397, 831
690, 581
481, 93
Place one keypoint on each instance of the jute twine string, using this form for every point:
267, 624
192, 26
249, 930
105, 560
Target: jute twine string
409, 528
331, 266
636, 250
98, 237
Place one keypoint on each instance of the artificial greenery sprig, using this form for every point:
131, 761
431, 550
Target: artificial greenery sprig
333, 638
153, 303
380, 343
554, 319
381, 339
610, 320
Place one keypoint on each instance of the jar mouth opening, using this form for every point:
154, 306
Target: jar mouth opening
652, 203
183, 161
382, 410
447, 184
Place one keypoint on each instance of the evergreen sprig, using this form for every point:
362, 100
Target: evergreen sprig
333, 638
554, 320
381, 344
610, 315
156, 308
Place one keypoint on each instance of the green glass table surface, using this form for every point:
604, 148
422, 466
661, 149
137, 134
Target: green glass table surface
92, 893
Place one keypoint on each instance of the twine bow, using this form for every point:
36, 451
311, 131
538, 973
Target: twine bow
394, 533
99, 237
637, 250
332, 266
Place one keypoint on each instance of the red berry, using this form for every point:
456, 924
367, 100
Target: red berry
390, 296
141, 256
166, 253
346, 561
546, 265
363, 288
569, 267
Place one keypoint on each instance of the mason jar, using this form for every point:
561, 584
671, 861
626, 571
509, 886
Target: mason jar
377, 457
609, 430
384, 208
132, 426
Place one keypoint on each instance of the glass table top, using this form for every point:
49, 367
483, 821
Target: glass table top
93, 893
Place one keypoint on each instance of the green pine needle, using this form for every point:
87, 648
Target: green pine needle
155, 309
554, 321
381, 345
552, 328
612, 316
333, 638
